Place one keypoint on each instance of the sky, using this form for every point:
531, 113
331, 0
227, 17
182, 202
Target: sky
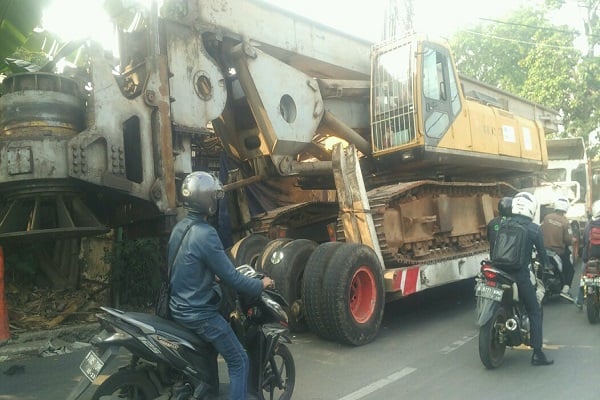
436, 17
362, 18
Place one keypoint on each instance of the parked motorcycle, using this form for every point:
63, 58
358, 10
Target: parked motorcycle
170, 362
591, 289
501, 316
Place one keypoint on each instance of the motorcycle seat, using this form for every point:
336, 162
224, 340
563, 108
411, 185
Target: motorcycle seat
163, 326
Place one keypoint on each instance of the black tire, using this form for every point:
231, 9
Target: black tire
592, 308
131, 384
312, 289
288, 275
264, 263
284, 363
248, 250
491, 352
354, 294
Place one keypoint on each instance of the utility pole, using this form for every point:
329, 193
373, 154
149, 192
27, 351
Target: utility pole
398, 19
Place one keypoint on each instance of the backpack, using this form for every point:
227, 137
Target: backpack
594, 244
510, 246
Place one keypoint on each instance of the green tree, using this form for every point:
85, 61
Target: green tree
551, 71
530, 56
590, 17
583, 114
18, 20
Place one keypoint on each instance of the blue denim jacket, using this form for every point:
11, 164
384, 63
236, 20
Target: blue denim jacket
195, 292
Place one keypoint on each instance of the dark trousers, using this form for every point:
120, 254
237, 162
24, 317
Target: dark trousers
568, 271
534, 310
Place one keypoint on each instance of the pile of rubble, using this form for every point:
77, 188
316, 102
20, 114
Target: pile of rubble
33, 309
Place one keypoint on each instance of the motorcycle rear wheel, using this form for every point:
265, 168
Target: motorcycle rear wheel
491, 352
592, 306
284, 363
127, 384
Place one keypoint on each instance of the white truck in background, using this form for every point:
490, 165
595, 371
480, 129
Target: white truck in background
568, 175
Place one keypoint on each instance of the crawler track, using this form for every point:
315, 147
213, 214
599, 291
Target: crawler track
415, 222
429, 221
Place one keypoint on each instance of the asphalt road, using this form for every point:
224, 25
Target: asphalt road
427, 349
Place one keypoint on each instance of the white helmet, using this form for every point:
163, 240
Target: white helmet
524, 204
596, 210
561, 204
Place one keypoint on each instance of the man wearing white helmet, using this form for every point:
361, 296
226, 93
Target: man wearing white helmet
558, 237
524, 206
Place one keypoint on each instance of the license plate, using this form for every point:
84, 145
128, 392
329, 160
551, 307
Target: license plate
592, 281
91, 366
488, 292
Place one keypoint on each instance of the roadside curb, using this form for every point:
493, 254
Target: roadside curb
50, 342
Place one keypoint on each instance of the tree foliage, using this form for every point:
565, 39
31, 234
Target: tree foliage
530, 56
18, 20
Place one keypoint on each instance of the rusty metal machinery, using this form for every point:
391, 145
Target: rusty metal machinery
39, 114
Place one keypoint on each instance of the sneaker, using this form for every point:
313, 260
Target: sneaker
539, 358
565, 289
567, 296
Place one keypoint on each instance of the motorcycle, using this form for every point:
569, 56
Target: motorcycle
168, 361
591, 289
501, 316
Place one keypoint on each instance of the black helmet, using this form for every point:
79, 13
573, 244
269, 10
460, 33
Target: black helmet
505, 206
200, 192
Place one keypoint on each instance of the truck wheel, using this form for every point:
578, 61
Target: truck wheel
264, 261
354, 293
288, 274
312, 289
248, 250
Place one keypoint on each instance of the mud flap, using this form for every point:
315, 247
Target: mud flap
485, 310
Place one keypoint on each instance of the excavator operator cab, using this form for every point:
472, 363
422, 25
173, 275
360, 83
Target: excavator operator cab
414, 91
423, 126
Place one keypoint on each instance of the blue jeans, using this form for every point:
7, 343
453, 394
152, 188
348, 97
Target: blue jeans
214, 329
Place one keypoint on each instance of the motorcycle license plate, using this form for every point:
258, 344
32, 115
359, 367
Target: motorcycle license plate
91, 366
488, 292
592, 281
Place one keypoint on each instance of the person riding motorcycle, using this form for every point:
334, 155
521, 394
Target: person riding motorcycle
585, 254
198, 259
524, 206
504, 211
558, 237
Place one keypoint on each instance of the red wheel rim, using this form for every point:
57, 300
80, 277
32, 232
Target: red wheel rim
363, 295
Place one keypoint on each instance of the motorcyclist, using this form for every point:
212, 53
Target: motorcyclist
585, 254
504, 211
198, 261
558, 237
524, 206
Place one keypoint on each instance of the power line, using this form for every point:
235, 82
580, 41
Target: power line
520, 41
576, 32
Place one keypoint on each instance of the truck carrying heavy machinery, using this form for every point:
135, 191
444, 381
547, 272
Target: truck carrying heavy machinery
377, 169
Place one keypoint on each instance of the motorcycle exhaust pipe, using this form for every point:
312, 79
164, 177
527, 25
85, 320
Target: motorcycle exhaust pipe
511, 324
